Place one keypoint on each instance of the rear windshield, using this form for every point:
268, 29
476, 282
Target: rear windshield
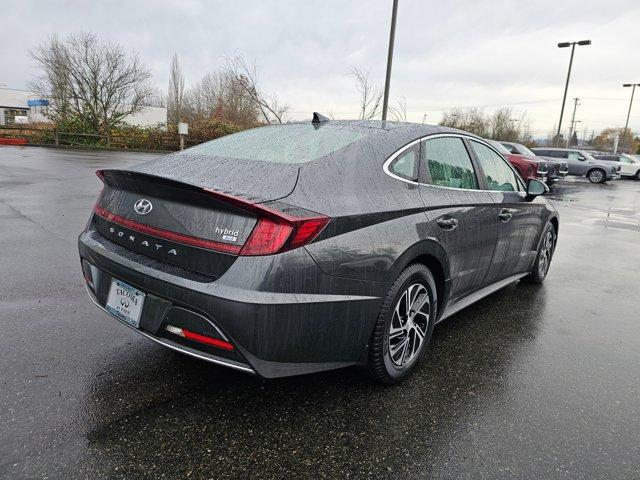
292, 143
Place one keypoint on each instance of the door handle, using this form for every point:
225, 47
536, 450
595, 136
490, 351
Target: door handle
447, 223
505, 215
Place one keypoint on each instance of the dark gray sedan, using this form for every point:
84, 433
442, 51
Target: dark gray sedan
310, 246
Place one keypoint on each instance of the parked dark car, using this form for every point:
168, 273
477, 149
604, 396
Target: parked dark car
556, 169
581, 163
302, 247
527, 167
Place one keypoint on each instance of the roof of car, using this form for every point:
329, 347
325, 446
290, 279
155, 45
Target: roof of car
391, 126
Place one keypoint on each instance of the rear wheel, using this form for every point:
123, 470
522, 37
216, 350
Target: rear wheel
543, 258
638, 175
404, 326
597, 175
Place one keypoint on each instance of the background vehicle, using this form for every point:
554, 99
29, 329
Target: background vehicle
581, 163
556, 169
629, 164
301, 247
527, 167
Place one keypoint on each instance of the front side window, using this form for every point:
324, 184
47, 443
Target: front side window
406, 165
575, 156
497, 173
448, 163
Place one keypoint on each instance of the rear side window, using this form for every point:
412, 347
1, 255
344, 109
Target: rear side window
498, 175
449, 163
406, 165
290, 143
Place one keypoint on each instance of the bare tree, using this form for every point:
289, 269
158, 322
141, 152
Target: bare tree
399, 112
97, 83
246, 77
156, 98
370, 96
175, 110
219, 95
470, 120
505, 124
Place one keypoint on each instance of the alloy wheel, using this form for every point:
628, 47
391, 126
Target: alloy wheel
409, 324
546, 252
596, 176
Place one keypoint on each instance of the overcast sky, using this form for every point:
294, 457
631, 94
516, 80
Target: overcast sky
448, 54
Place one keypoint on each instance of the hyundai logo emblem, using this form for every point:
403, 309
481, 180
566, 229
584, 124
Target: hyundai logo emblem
143, 206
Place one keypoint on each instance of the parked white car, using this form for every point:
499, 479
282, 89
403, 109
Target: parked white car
629, 164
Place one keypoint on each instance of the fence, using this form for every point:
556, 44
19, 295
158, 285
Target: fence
150, 140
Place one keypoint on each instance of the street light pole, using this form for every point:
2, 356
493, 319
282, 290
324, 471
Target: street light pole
626, 125
566, 85
387, 81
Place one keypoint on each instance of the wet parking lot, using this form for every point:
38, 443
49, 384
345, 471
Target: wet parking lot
532, 382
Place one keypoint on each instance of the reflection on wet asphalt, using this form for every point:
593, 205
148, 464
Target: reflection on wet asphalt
532, 382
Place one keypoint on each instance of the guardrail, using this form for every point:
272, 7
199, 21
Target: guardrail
153, 140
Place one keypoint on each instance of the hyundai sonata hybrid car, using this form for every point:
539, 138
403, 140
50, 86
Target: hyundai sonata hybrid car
310, 246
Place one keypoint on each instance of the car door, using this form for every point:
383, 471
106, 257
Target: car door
519, 220
462, 214
628, 166
578, 164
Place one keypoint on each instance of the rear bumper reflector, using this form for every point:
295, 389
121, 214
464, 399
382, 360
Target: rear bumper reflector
181, 332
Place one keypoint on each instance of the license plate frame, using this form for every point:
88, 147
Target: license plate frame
125, 302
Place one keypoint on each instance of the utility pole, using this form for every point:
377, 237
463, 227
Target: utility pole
626, 125
573, 120
387, 81
566, 85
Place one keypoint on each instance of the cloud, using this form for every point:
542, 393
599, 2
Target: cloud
455, 53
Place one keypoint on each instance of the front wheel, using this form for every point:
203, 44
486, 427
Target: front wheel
638, 175
404, 325
543, 257
597, 175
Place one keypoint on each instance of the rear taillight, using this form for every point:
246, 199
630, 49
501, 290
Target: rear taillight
279, 228
269, 236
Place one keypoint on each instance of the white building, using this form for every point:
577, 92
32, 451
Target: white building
23, 106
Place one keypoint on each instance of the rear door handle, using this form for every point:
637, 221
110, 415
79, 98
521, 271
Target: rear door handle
447, 223
505, 215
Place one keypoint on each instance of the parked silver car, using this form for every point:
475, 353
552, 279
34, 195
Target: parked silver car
581, 163
629, 164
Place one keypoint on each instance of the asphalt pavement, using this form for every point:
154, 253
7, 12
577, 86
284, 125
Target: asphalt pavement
531, 382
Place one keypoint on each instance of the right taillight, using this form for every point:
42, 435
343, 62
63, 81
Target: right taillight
279, 228
271, 236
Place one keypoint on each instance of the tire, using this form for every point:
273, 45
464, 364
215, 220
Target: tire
543, 256
637, 175
597, 175
390, 359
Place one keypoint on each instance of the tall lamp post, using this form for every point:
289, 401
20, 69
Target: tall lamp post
626, 125
566, 85
387, 81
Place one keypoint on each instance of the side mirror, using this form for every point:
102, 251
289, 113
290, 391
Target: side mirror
535, 188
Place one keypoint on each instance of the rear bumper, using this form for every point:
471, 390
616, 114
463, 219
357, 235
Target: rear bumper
283, 315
